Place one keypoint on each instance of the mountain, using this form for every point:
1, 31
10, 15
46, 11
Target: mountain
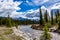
20, 18
35, 15
31, 15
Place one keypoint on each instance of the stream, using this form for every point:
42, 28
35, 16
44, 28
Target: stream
35, 34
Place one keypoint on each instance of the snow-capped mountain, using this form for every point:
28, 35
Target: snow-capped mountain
35, 15
43, 9
30, 16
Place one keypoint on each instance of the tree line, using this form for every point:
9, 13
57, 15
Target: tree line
53, 18
47, 21
9, 22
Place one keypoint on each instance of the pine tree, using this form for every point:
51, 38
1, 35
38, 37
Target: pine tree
57, 14
58, 19
59, 22
46, 16
9, 21
45, 35
1, 21
41, 18
52, 18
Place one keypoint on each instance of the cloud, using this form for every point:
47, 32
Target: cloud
54, 6
36, 2
18, 14
8, 7
30, 14
53, 1
50, 5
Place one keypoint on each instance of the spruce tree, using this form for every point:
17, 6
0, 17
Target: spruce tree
58, 18
52, 18
46, 16
9, 21
57, 14
1, 21
41, 18
59, 22
45, 35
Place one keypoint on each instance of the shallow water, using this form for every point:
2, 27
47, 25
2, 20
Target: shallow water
37, 33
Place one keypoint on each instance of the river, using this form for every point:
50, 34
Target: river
36, 33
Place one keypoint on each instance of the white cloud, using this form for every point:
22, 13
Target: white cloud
8, 6
36, 2
30, 14
18, 14
53, 1
32, 11
55, 6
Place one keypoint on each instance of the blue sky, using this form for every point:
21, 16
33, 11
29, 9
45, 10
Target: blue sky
23, 8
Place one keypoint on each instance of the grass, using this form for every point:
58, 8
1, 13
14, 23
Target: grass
4, 30
6, 34
1, 37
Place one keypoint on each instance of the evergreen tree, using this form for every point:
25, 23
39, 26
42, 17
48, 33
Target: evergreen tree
45, 35
41, 18
59, 22
9, 22
52, 18
1, 21
46, 16
57, 14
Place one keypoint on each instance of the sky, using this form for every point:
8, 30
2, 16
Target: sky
28, 9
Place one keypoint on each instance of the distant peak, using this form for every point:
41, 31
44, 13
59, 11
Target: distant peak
43, 7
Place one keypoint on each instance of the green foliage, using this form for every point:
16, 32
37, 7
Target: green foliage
45, 35
59, 22
57, 14
48, 25
1, 37
8, 22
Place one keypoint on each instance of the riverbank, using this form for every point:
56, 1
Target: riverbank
37, 33
23, 32
7, 34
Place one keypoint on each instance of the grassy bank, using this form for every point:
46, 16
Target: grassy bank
7, 34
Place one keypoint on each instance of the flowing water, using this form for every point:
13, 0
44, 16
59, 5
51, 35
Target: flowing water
35, 34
